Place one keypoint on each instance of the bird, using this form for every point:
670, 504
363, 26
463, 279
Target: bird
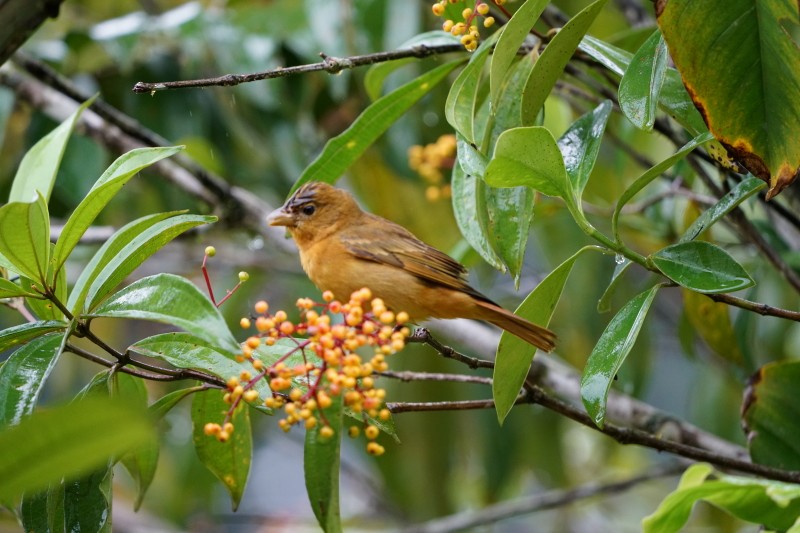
344, 249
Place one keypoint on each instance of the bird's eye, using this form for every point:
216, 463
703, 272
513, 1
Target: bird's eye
309, 209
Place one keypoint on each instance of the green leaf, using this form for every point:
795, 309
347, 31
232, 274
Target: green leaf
87, 501
24, 373
769, 414
340, 152
741, 192
727, 49
604, 304
185, 350
528, 157
137, 251
9, 289
772, 504
52, 444
106, 187
321, 467
651, 174
19, 335
462, 100
702, 267
163, 405
140, 463
514, 33
110, 249
712, 322
508, 109
580, 145
555, 57
610, 352
509, 214
640, 87
38, 169
173, 300
514, 356
376, 74
25, 237
228, 461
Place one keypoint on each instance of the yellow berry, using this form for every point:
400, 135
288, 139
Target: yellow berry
438, 9
243, 276
326, 432
261, 307
251, 395
295, 395
327, 296
372, 432
483, 8
286, 327
223, 436
384, 414
402, 317
211, 429
467, 13
245, 323
311, 423
253, 342
387, 317
446, 26
488, 22
353, 432
211, 251
373, 448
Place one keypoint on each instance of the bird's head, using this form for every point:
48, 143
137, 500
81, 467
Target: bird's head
314, 210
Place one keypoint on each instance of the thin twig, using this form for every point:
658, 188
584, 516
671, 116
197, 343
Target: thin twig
423, 336
458, 405
434, 376
756, 307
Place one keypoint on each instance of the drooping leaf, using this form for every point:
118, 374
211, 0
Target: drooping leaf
604, 304
769, 415
340, 152
110, 249
702, 267
514, 33
321, 468
712, 322
610, 352
640, 87
509, 215
106, 187
580, 145
555, 57
741, 192
35, 457
725, 50
38, 169
514, 356
136, 252
24, 374
25, 237
772, 504
173, 300
228, 461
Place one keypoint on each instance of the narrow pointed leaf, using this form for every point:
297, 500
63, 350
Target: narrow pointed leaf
580, 145
610, 352
38, 169
741, 192
555, 57
509, 215
228, 461
340, 152
173, 300
19, 335
640, 87
321, 468
9, 289
106, 187
163, 405
702, 267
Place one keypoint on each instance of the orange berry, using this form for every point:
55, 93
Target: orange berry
245, 323
223, 436
438, 9
261, 307
211, 429
372, 432
253, 342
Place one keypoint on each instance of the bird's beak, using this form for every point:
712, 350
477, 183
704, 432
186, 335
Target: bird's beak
279, 217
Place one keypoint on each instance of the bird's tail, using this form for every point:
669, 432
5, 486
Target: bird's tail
542, 338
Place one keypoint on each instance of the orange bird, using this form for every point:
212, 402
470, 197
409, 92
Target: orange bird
343, 249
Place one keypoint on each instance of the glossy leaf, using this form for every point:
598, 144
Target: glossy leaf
651, 174
185, 350
508, 110
772, 504
580, 145
38, 169
376, 74
24, 374
340, 152
462, 100
610, 352
769, 415
555, 57
742, 69
529, 157
163, 405
173, 300
514, 356
141, 462
604, 304
469, 209
25, 237
39, 458
19, 335
110, 249
514, 33
741, 192
107, 186
137, 251
321, 468
640, 87
509, 215
702, 267
228, 461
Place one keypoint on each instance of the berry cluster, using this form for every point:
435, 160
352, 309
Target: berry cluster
467, 26
320, 363
430, 160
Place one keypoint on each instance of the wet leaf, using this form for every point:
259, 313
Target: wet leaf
580, 145
702, 267
741, 192
640, 87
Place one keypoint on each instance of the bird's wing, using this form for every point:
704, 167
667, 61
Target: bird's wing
390, 244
